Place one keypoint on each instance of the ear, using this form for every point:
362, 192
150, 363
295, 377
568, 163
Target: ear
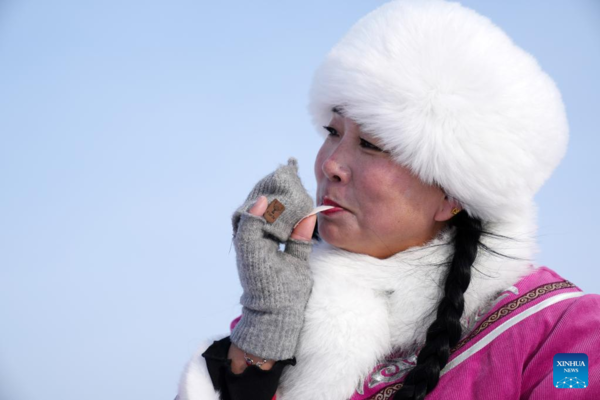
444, 212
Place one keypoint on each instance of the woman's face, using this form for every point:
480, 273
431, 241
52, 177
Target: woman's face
384, 208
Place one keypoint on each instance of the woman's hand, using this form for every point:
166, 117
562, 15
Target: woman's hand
303, 231
276, 282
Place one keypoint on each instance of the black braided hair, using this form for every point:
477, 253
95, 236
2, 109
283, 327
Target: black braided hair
445, 332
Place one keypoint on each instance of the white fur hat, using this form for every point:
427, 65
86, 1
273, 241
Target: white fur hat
453, 98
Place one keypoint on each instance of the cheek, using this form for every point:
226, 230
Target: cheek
382, 185
390, 195
374, 195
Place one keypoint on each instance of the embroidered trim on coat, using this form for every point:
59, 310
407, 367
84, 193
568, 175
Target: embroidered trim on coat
389, 391
512, 306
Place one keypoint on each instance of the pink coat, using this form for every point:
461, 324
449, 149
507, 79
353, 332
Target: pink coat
509, 354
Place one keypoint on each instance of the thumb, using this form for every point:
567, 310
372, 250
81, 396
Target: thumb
305, 228
259, 207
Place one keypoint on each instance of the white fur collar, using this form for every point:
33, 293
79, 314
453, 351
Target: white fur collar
363, 308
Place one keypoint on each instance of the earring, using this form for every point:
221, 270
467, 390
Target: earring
455, 210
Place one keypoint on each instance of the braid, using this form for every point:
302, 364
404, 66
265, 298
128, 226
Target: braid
445, 332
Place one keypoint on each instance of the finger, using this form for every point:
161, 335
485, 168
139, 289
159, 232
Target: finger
304, 230
299, 249
259, 207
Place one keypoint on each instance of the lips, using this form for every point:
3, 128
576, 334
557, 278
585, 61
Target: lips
328, 202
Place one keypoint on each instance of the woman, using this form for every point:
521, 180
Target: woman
439, 132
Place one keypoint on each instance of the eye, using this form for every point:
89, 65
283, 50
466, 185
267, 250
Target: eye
370, 146
332, 131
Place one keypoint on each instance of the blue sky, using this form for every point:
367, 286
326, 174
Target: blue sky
130, 131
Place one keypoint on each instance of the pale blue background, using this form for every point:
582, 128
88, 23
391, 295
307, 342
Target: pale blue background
129, 132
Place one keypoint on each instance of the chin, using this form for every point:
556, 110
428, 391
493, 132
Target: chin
334, 237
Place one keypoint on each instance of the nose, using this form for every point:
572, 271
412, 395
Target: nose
335, 169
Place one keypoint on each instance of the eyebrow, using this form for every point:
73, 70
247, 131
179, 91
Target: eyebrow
337, 110
340, 111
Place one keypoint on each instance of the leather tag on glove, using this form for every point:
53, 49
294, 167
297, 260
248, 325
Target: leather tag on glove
274, 210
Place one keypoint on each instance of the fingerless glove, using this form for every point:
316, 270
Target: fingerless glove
276, 283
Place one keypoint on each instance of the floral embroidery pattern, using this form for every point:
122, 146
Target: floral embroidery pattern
391, 370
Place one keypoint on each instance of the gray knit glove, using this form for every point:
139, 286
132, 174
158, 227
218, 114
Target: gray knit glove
276, 283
